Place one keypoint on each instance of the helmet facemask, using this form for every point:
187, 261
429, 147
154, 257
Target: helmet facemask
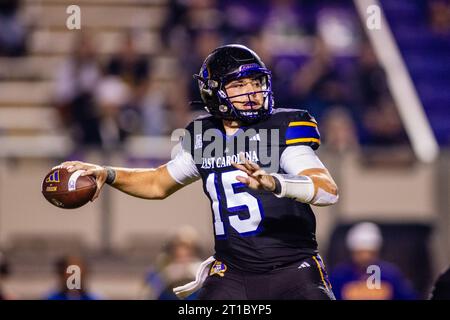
251, 115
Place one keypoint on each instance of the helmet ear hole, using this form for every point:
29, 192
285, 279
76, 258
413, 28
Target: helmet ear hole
223, 108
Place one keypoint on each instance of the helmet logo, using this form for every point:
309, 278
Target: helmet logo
205, 71
248, 66
223, 108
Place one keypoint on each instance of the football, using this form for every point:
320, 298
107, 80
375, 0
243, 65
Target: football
68, 190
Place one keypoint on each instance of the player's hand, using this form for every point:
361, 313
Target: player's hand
90, 169
257, 178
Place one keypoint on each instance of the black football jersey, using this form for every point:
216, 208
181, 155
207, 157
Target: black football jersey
254, 230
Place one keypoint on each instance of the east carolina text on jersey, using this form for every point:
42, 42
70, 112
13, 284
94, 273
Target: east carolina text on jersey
221, 162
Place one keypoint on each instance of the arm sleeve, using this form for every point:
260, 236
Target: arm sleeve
182, 168
295, 159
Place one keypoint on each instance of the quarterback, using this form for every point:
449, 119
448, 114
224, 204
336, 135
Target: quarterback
264, 227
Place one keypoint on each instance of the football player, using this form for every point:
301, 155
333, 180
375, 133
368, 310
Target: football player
265, 243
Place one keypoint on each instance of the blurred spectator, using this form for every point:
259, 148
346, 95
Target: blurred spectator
318, 84
338, 130
111, 96
241, 19
283, 27
177, 265
338, 28
128, 64
76, 83
154, 108
439, 16
120, 94
369, 84
187, 17
173, 31
190, 33
61, 272
204, 43
375, 111
13, 32
441, 289
383, 126
349, 281
142, 104
185, 87
4, 272
257, 43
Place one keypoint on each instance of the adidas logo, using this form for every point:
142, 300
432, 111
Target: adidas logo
54, 177
304, 265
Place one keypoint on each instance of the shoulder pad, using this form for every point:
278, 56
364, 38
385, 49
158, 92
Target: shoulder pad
300, 128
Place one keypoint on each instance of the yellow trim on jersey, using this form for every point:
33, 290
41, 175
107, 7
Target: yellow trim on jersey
320, 271
302, 123
291, 141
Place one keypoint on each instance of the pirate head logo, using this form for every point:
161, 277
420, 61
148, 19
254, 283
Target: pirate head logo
218, 268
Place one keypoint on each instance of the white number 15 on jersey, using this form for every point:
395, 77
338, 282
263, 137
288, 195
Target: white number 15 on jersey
235, 202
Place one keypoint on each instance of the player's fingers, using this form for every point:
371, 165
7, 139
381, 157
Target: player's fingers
243, 180
249, 182
236, 165
241, 167
259, 172
248, 166
254, 165
245, 162
251, 165
96, 194
65, 164
268, 182
80, 166
90, 172
75, 167
99, 187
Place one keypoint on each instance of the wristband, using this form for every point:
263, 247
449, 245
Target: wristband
110, 175
300, 188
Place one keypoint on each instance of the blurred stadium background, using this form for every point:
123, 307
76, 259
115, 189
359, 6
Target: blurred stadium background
114, 91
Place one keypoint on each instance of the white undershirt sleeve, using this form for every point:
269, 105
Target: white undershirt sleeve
295, 159
182, 168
